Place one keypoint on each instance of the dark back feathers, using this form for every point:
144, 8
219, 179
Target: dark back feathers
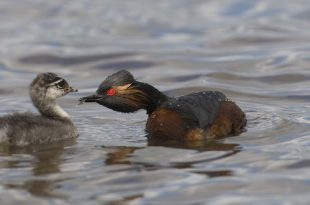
201, 107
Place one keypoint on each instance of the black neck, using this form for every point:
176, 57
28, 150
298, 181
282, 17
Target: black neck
155, 97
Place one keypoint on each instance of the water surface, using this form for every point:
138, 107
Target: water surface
256, 52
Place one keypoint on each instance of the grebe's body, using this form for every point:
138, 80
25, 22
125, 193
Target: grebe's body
195, 116
51, 125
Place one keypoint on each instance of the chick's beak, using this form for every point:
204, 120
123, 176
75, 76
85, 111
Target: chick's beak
91, 98
73, 90
70, 90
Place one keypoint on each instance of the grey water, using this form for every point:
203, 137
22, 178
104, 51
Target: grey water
257, 52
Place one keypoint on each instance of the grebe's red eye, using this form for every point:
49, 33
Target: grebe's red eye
111, 92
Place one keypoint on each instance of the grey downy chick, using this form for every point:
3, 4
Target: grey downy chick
52, 124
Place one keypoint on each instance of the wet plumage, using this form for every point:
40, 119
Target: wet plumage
52, 124
196, 116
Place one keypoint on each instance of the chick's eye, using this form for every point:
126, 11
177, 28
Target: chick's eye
60, 84
111, 92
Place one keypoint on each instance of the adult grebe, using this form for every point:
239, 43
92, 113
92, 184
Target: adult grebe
196, 116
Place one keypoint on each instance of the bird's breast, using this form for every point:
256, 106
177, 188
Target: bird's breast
170, 124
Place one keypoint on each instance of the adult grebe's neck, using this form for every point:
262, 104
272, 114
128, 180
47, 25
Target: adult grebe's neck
51, 109
154, 97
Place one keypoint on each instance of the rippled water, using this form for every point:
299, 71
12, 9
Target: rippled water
256, 52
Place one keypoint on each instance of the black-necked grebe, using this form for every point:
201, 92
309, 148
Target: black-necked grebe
196, 116
52, 125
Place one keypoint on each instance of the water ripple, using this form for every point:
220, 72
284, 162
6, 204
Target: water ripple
254, 51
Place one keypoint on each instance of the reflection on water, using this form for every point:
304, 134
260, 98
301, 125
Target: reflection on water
202, 145
256, 52
46, 160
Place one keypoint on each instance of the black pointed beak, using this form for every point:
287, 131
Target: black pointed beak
91, 98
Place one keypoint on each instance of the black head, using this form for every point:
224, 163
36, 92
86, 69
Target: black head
116, 82
119, 78
122, 93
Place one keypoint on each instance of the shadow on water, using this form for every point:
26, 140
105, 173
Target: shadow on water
46, 160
